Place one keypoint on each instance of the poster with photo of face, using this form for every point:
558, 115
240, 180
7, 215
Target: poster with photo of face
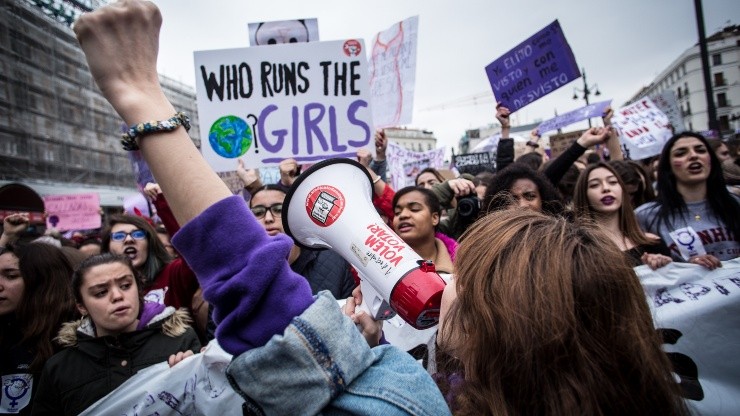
283, 31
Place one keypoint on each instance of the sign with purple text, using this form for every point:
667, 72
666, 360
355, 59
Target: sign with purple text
73, 211
307, 101
392, 73
583, 113
643, 129
533, 69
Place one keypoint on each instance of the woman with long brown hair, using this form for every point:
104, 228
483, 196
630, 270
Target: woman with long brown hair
601, 196
546, 317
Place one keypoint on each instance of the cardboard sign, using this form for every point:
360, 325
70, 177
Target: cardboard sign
643, 129
392, 73
404, 164
73, 211
283, 31
697, 312
533, 69
583, 113
561, 142
307, 101
474, 163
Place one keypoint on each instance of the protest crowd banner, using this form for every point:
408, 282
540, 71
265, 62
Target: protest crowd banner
697, 311
667, 103
404, 165
643, 129
73, 211
307, 101
392, 73
583, 113
474, 163
533, 69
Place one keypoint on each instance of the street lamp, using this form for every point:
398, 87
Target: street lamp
587, 91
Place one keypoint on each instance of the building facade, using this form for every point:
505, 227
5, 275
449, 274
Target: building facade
412, 139
684, 76
56, 129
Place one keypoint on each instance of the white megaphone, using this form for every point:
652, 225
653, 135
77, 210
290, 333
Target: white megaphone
330, 207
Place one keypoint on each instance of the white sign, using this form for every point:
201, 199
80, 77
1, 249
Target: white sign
404, 164
283, 31
697, 312
393, 72
643, 129
307, 101
668, 104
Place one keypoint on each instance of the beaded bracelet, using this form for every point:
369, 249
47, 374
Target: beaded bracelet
128, 139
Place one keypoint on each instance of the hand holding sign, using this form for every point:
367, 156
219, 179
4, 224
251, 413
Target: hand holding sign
593, 136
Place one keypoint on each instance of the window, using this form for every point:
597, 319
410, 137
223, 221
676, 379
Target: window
678, 92
688, 108
686, 88
722, 100
719, 79
724, 123
717, 59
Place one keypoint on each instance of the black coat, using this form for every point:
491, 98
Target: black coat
90, 368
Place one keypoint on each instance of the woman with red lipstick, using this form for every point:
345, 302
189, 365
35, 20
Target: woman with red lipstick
694, 212
118, 335
600, 196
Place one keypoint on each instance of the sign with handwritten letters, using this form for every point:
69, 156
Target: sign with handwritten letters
667, 103
73, 211
697, 312
583, 113
533, 69
404, 165
307, 101
474, 163
392, 73
643, 129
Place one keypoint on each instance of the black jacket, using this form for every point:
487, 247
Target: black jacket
90, 368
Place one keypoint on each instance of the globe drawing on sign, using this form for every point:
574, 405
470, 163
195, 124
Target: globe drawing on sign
230, 137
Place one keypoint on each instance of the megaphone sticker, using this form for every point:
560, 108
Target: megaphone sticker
324, 205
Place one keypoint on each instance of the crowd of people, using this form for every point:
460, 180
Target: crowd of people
542, 312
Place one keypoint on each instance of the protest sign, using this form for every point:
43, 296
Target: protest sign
533, 69
559, 143
583, 113
697, 312
667, 103
195, 386
643, 129
283, 31
489, 144
392, 73
307, 101
404, 164
73, 211
474, 163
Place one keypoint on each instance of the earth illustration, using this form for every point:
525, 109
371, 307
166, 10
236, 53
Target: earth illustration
230, 137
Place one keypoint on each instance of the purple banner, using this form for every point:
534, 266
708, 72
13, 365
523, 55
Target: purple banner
533, 69
583, 113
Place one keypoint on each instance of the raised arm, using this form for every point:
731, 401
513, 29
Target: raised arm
121, 43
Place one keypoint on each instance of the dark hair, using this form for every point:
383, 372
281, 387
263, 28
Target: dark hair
532, 160
632, 173
627, 221
430, 199
47, 298
157, 256
500, 187
433, 171
550, 319
100, 259
670, 202
269, 187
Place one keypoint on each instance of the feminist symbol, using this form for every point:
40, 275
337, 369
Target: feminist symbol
688, 244
15, 389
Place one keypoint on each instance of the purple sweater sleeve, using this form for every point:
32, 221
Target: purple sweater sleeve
244, 274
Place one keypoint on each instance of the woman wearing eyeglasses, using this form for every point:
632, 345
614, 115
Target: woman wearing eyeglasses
166, 280
324, 269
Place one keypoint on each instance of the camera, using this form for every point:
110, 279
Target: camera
468, 208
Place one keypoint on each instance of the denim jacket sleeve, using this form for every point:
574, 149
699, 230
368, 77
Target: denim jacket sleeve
321, 364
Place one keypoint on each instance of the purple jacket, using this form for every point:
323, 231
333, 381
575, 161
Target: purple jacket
244, 274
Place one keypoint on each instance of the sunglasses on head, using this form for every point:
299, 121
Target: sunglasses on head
121, 235
259, 211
